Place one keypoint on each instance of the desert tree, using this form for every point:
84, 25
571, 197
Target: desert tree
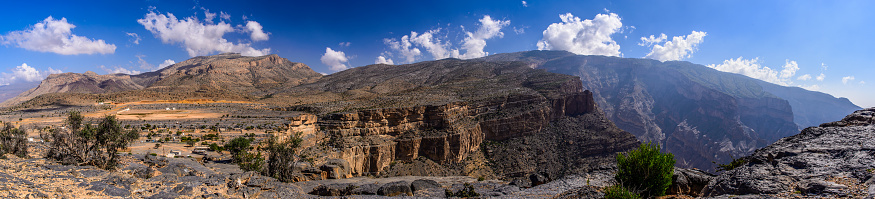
88, 144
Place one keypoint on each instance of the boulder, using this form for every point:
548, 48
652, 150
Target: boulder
423, 184
395, 189
688, 182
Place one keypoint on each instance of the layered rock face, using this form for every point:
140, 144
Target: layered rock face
832, 160
371, 139
699, 114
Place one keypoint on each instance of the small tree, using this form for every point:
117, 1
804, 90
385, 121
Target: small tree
87, 144
13, 140
281, 157
645, 170
238, 145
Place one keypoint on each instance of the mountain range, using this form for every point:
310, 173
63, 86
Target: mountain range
700, 114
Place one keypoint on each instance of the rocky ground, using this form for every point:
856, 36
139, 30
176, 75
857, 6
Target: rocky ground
834, 160
158, 177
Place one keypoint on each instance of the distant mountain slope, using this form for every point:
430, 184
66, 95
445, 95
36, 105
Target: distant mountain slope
10, 91
231, 73
88, 82
227, 74
811, 108
698, 113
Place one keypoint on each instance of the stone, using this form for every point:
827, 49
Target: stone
423, 184
538, 179
688, 182
395, 189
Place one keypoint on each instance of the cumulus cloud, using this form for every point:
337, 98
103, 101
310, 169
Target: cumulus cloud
847, 79
525, 4
475, 42
435, 43
256, 33
334, 59
25, 73
383, 60
166, 63
753, 69
404, 47
134, 37
678, 48
821, 77
583, 37
805, 77
56, 36
209, 16
196, 37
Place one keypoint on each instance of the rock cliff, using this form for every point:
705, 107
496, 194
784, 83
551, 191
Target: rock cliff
832, 160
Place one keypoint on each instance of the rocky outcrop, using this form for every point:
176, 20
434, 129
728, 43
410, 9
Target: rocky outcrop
832, 160
688, 182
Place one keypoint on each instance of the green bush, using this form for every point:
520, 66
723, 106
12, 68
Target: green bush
732, 165
281, 157
619, 192
13, 140
645, 170
466, 192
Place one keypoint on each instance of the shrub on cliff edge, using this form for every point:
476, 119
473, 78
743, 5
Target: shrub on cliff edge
645, 170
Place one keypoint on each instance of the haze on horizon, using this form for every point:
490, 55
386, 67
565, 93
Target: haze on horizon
822, 46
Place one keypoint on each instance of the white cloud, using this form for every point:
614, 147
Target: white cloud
166, 63
209, 16
334, 59
847, 79
255, 29
404, 47
225, 16
862, 82
383, 60
525, 4
805, 77
134, 37
753, 69
678, 48
790, 68
587, 37
519, 31
432, 44
648, 41
475, 42
118, 69
25, 73
820, 77
197, 38
56, 36
435, 43
344, 44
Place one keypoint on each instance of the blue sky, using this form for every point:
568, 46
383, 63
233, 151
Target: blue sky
798, 41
